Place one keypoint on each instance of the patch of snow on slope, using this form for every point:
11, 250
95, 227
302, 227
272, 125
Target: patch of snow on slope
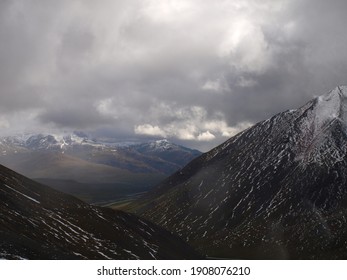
32, 199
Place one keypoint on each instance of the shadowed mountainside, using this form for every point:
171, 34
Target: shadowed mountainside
277, 190
37, 222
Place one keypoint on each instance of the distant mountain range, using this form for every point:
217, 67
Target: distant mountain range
277, 190
95, 171
37, 222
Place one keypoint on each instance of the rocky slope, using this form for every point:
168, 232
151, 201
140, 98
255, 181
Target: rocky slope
37, 222
276, 190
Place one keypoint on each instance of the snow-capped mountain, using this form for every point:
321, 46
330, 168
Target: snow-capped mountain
275, 190
108, 169
158, 156
172, 156
46, 141
37, 222
167, 151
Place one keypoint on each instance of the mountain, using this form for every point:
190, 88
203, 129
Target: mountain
37, 222
159, 156
277, 190
167, 151
108, 170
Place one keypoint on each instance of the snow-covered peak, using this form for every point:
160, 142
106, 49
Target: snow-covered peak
331, 106
49, 141
162, 144
64, 141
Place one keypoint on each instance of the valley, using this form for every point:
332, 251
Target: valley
94, 171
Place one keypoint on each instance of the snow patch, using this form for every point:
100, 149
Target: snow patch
32, 199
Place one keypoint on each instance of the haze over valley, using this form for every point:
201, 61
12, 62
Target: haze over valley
94, 171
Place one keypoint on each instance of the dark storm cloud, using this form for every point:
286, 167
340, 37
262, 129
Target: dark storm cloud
194, 71
306, 43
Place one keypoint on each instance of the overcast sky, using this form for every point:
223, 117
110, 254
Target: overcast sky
193, 71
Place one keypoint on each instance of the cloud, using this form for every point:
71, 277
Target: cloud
183, 69
217, 86
187, 123
205, 136
151, 130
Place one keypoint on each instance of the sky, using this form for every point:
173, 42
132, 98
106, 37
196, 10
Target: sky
193, 71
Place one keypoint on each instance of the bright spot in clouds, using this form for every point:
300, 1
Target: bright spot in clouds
191, 123
205, 136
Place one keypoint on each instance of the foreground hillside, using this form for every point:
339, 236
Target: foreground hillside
37, 222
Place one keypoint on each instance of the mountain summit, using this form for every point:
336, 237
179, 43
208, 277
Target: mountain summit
276, 190
332, 105
329, 107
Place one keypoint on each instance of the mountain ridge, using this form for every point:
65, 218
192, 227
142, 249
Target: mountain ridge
159, 155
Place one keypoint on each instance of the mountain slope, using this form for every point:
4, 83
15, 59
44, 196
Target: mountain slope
276, 190
37, 222
167, 151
